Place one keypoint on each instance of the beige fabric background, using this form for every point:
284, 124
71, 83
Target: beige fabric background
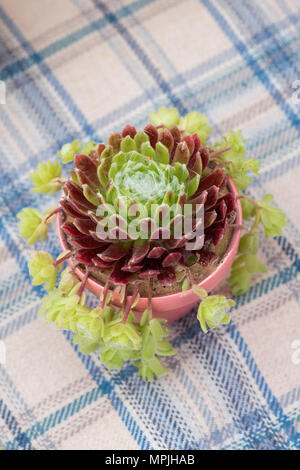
80, 69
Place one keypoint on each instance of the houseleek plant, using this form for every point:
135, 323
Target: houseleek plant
166, 165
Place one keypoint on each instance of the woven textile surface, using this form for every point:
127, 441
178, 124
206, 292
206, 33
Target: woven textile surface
80, 69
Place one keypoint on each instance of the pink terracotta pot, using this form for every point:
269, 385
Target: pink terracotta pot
174, 306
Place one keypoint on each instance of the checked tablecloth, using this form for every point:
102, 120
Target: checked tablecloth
80, 69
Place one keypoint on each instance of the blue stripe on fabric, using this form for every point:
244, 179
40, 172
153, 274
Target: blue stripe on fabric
12, 424
251, 411
158, 52
115, 400
130, 106
40, 428
261, 382
118, 49
38, 109
252, 63
290, 397
15, 134
286, 423
141, 55
127, 62
19, 322
47, 73
249, 15
107, 119
67, 41
19, 402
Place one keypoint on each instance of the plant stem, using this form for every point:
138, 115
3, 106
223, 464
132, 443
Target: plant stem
105, 292
83, 283
248, 198
219, 152
64, 258
60, 180
131, 302
54, 212
150, 293
190, 276
241, 226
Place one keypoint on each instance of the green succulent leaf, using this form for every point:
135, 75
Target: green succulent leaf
120, 159
162, 154
199, 291
148, 370
140, 138
195, 123
235, 161
145, 317
237, 144
242, 271
61, 309
122, 335
157, 367
88, 147
156, 329
165, 117
46, 179
237, 173
86, 345
62, 255
192, 185
253, 264
180, 171
148, 348
90, 195
128, 144
248, 209
164, 348
240, 278
108, 152
148, 150
32, 225
273, 218
68, 151
114, 358
90, 324
103, 169
249, 243
213, 311
42, 269
69, 283
185, 285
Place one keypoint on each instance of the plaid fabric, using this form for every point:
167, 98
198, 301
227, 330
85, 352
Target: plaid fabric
79, 69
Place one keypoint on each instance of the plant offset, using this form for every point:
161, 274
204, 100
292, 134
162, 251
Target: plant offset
143, 180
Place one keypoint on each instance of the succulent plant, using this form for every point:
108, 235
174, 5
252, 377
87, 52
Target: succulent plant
123, 212
141, 181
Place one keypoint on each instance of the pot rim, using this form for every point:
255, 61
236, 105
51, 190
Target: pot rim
233, 245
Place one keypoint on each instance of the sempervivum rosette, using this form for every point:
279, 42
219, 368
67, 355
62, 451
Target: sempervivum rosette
143, 180
123, 214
